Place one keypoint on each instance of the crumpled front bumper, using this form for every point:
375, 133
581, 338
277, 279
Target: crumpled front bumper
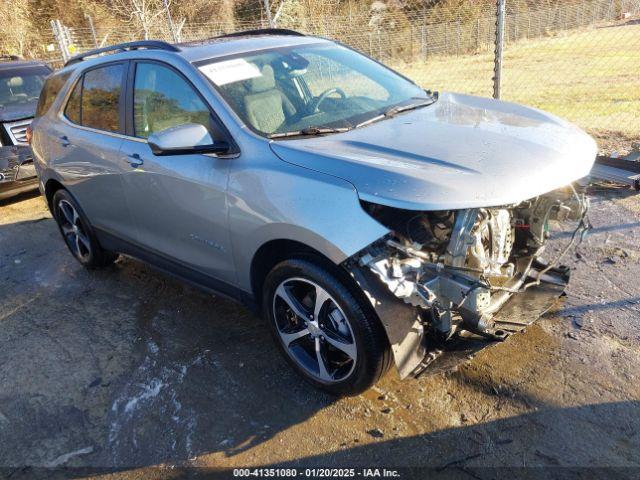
416, 354
17, 171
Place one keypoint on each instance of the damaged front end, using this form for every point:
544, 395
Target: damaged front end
17, 171
446, 284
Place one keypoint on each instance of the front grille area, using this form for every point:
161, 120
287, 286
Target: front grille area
7, 176
18, 131
16, 163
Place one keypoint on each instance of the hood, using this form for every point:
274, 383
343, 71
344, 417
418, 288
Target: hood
10, 113
461, 152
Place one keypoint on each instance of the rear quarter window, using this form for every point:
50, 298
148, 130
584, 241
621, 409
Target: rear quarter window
72, 110
50, 91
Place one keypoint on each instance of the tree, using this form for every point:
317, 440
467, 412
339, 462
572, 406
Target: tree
17, 30
143, 13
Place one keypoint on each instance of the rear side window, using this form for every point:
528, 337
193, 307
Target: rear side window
96, 98
72, 110
50, 91
101, 89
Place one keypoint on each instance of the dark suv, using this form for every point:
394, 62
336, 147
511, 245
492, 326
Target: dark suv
20, 85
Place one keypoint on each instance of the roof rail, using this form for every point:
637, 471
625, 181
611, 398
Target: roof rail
263, 31
123, 47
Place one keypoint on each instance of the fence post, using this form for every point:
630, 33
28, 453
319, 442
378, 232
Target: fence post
267, 9
172, 28
411, 55
54, 30
499, 44
56, 27
577, 16
68, 40
93, 30
609, 10
446, 37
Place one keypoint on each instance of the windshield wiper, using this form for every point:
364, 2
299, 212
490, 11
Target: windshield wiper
393, 111
309, 132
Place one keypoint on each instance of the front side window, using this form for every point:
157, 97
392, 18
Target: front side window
163, 99
22, 85
290, 89
101, 91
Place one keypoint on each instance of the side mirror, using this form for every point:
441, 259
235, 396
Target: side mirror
184, 139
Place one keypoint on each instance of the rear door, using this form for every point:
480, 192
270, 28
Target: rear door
85, 146
42, 142
178, 202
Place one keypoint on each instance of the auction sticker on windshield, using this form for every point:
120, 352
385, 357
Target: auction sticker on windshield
230, 71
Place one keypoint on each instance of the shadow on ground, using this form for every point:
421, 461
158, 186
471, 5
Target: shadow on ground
549, 443
127, 366
16, 199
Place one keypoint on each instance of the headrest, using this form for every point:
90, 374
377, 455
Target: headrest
266, 81
14, 82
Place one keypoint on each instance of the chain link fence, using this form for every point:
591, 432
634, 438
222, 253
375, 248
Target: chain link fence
579, 59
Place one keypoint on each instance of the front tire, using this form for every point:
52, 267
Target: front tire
328, 334
78, 234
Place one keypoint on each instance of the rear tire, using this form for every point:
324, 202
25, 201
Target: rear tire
77, 233
330, 326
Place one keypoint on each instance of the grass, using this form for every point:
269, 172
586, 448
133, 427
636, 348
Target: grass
590, 77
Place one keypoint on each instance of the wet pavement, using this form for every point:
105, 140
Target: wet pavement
126, 370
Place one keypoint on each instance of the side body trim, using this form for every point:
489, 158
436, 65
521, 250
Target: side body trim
209, 284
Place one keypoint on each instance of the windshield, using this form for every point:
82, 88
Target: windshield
21, 85
308, 88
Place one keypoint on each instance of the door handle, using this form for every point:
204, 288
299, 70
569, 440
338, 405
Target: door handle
64, 141
135, 160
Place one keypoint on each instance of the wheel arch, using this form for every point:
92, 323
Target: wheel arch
275, 251
50, 189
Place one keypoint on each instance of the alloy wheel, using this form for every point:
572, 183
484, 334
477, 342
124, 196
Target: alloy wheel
74, 233
314, 330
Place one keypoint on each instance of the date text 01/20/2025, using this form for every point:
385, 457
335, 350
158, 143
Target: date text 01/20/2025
317, 472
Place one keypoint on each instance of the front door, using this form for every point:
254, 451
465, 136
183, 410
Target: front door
178, 202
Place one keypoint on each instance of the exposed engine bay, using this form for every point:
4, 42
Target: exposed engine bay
455, 272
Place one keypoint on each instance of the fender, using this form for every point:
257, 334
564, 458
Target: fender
334, 224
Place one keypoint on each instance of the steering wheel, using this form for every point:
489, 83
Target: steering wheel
315, 105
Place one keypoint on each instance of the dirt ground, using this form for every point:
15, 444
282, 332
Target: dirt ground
131, 374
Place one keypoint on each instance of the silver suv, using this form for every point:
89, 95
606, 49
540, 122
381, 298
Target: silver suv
371, 222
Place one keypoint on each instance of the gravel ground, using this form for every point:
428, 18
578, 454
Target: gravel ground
129, 373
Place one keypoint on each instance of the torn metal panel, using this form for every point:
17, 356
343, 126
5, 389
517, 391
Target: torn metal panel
461, 237
516, 315
401, 321
441, 278
16, 163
